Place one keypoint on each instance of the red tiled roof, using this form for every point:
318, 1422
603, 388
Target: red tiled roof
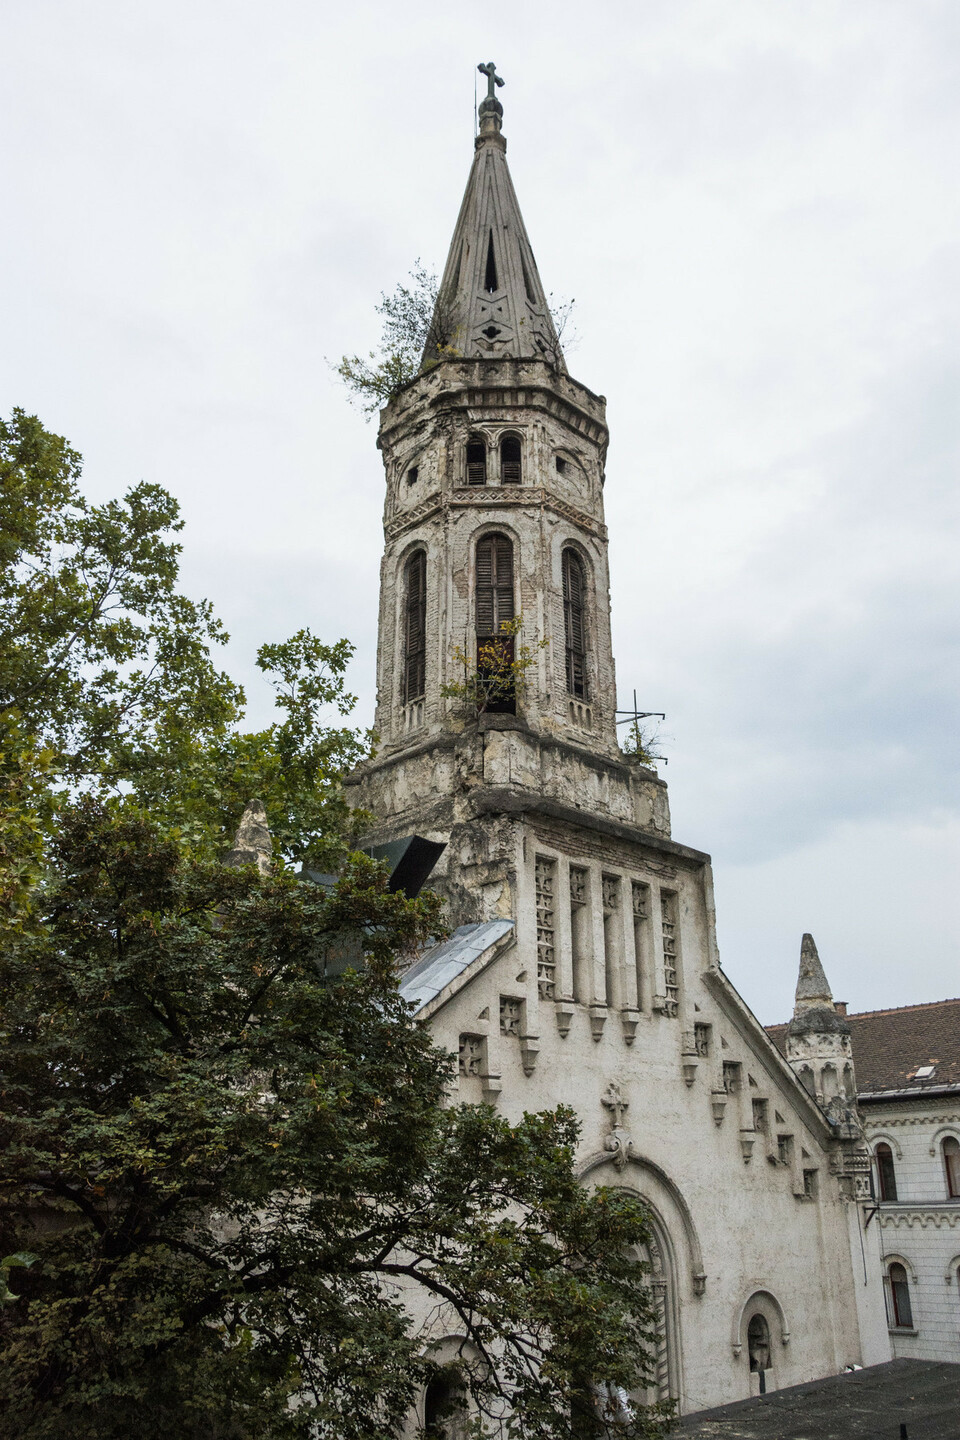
889, 1046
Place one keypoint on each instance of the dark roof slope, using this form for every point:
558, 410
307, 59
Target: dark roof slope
889, 1046
871, 1404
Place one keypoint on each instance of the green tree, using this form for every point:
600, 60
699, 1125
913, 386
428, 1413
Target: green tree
222, 1158
223, 1155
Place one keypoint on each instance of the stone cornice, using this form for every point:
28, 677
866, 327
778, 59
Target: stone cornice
950, 1118
943, 1216
496, 497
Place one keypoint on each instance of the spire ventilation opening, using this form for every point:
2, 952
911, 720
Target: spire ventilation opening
490, 275
531, 298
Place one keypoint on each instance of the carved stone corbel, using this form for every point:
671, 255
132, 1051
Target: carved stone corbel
718, 1104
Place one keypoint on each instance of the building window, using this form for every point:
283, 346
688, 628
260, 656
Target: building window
546, 887
641, 919
898, 1297
758, 1348
951, 1163
494, 609
574, 629
445, 1408
510, 460
470, 1060
886, 1174
668, 921
476, 460
415, 627
580, 934
511, 1015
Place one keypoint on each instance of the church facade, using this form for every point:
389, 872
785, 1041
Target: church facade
583, 966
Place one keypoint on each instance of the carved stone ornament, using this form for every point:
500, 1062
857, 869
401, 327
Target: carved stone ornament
618, 1141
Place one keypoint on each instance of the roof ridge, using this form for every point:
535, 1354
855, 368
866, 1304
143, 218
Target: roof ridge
902, 1009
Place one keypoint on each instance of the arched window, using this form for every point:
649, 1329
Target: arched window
494, 583
476, 460
758, 1347
574, 626
494, 609
898, 1297
510, 460
415, 627
951, 1163
444, 1408
886, 1174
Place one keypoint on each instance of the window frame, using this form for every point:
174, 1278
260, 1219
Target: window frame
415, 656
900, 1306
575, 616
511, 478
951, 1171
886, 1173
476, 471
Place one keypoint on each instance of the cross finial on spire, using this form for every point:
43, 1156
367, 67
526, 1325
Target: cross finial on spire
490, 70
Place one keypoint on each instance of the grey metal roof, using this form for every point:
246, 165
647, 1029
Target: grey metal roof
870, 1404
435, 970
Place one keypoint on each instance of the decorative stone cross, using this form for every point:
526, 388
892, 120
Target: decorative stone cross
613, 1099
490, 70
618, 1142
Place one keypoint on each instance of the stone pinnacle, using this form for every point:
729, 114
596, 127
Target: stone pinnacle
252, 844
813, 991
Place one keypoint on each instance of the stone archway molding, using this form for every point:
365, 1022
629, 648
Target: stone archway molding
757, 1292
698, 1277
946, 1132
883, 1137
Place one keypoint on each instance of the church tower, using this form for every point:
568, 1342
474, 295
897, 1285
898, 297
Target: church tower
493, 522
582, 967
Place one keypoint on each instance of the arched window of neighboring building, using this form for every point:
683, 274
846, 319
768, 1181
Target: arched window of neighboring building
898, 1297
574, 623
886, 1174
444, 1408
510, 460
494, 609
951, 1163
415, 627
476, 460
758, 1347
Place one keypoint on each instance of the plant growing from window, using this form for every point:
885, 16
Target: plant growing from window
497, 677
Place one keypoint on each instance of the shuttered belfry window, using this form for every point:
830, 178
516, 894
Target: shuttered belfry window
510, 460
415, 627
494, 583
574, 627
476, 460
494, 607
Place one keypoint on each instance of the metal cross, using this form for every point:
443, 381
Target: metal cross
490, 70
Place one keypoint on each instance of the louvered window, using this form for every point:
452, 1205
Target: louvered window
573, 624
510, 460
476, 461
415, 628
494, 602
494, 583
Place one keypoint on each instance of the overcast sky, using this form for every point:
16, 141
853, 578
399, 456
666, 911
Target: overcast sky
755, 205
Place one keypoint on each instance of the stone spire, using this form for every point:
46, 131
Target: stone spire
491, 302
813, 990
252, 844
